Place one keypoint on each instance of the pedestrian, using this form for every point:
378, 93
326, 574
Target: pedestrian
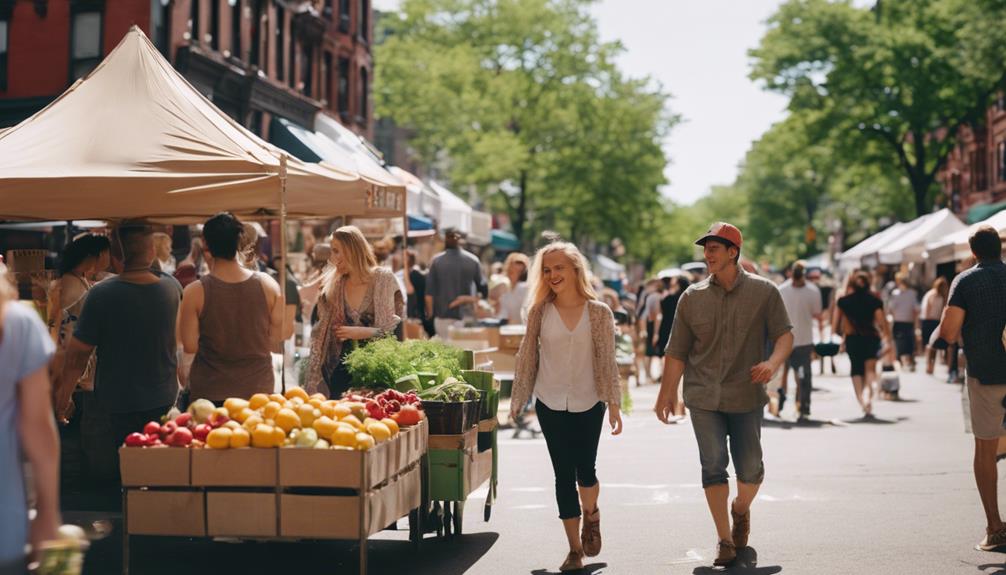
859, 316
80, 261
976, 313
28, 429
932, 309
722, 327
567, 360
803, 304
360, 301
513, 303
904, 307
193, 266
130, 320
416, 306
649, 318
165, 261
453, 284
668, 307
230, 319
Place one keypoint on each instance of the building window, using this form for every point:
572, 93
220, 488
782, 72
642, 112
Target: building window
291, 71
344, 86
236, 17
4, 25
214, 35
329, 80
194, 26
280, 42
364, 94
160, 25
306, 67
328, 12
258, 21
85, 43
363, 27
1001, 163
344, 16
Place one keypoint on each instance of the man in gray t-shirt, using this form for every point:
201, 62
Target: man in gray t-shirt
453, 283
130, 320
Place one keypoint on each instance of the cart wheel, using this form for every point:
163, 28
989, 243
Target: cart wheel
459, 513
487, 511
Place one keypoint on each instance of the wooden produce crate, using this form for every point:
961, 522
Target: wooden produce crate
155, 466
456, 467
244, 467
175, 512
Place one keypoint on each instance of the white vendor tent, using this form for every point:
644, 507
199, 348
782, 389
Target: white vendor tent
134, 139
910, 246
422, 201
852, 258
454, 212
955, 246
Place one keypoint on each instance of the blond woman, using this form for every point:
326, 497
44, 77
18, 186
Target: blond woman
359, 301
513, 303
567, 360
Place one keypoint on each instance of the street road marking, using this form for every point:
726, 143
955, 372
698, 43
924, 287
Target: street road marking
691, 557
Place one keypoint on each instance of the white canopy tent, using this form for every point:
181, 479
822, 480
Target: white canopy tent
955, 246
368, 163
852, 258
454, 212
135, 140
910, 246
422, 200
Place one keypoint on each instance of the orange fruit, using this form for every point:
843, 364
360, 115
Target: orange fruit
240, 438
325, 426
219, 438
263, 436
352, 420
258, 401
344, 435
392, 425
271, 409
297, 392
287, 420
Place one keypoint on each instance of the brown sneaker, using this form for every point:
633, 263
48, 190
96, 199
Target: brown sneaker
573, 562
993, 540
726, 554
590, 534
741, 529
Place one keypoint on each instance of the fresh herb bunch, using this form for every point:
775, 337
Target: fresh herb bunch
382, 362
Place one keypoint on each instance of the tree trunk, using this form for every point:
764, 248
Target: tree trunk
520, 216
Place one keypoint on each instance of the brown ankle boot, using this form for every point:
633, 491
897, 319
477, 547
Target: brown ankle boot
590, 534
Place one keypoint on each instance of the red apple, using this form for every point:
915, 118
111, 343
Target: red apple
201, 431
184, 420
180, 437
168, 428
217, 419
136, 440
152, 428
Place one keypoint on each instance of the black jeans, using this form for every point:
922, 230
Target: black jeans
800, 363
572, 440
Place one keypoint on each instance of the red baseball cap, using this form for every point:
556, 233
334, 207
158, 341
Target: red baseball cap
722, 231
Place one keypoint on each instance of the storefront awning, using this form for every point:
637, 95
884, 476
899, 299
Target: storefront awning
504, 241
984, 211
419, 223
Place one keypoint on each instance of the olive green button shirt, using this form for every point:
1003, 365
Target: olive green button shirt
721, 335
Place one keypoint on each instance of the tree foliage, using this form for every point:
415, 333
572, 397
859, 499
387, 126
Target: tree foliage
521, 100
891, 84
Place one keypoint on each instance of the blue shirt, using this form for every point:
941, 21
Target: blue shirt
25, 348
981, 292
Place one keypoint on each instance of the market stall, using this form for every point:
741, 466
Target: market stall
853, 258
134, 140
910, 246
954, 247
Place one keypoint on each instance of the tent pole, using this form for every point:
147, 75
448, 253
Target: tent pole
283, 260
406, 269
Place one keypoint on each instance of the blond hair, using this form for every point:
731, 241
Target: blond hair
513, 259
540, 291
357, 256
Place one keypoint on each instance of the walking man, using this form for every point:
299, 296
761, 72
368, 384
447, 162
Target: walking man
976, 313
721, 330
453, 284
803, 304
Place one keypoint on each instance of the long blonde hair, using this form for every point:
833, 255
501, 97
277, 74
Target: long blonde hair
540, 291
357, 256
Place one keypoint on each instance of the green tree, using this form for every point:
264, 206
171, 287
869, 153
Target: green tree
522, 100
906, 75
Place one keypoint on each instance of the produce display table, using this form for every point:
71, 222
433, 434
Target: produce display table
274, 494
459, 465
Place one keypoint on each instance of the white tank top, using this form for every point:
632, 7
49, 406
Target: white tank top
566, 364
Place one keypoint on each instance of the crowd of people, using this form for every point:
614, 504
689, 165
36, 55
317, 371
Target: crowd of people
133, 333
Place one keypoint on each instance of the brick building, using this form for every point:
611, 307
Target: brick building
256, 59
974, 178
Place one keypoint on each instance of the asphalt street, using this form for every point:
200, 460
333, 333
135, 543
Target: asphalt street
842, 495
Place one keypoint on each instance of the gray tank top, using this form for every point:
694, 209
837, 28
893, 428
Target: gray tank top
234, 349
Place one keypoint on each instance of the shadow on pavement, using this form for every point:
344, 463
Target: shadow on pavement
589, 569
173, 555
745, 564
787, 424
876, 420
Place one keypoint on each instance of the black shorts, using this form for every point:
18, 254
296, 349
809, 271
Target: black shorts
861, 349
928, 327
904, 337
652, 350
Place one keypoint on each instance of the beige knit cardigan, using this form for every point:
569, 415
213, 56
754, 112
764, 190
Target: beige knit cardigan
602, 332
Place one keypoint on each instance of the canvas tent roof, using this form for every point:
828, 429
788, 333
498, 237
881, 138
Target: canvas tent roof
955, 246
852, 258
134, 139
910, 246
422, 199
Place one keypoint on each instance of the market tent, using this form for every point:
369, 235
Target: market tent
608, 269
368, 160
503, 241
955, 246
910, 246
422, 200
853, 258
482, 227
454, 212
134, 139
984, 211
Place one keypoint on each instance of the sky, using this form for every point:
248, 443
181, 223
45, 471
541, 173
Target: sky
697, 50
